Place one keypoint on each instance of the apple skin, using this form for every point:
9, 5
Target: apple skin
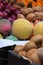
5, 27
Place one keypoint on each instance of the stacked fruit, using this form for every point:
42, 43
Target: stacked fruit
21, 28
32, 50
32, 14
19, 22
8, 11
24, 29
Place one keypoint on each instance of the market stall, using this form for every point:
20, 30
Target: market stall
21, 32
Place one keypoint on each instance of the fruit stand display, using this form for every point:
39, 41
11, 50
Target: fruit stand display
22, 23
22, 20
19, 20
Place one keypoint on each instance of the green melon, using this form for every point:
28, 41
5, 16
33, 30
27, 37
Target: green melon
12, 38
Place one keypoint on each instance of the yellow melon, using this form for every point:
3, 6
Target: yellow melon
38, 28
22, 28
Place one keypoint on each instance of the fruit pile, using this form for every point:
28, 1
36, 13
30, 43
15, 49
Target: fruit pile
20, 23
32, 50
33, 14
31, 2
24, 29
9, 11
21, 28
30, 28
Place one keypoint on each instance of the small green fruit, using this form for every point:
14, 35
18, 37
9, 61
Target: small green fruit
12, 38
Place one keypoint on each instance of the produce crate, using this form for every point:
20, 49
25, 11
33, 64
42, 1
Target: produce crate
15, 59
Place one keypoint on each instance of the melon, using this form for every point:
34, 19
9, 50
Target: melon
12, 38
22, 28
38, 28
